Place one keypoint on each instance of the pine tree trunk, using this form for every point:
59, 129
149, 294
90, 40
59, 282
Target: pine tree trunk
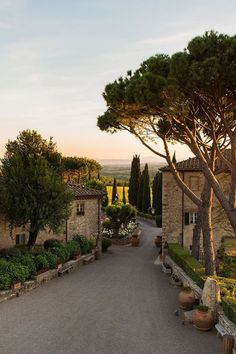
208, 237
197, 235
32, 239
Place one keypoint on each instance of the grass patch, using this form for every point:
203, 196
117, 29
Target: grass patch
120, 193
229, 307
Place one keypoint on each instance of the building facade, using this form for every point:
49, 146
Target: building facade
85, 219
179, 213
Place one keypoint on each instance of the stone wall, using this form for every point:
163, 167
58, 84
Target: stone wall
175, 204
86, 225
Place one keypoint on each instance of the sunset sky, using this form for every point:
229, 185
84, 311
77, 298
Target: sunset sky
57, 56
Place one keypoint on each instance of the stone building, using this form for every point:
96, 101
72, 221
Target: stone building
85, 219
179, 213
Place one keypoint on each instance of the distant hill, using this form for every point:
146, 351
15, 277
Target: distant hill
148, 159
122, 171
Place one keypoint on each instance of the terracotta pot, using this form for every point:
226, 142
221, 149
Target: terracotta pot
186, 299
135, 240
203, 320
16, 285
158, 241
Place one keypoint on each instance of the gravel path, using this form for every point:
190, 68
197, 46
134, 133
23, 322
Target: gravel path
122, 304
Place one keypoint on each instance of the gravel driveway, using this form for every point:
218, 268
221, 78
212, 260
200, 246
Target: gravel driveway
122, 304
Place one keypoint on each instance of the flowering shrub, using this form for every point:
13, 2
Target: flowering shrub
124, 231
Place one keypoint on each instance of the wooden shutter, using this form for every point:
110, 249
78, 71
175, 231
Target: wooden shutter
186, 218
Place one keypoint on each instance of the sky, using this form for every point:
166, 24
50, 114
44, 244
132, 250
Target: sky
58, 55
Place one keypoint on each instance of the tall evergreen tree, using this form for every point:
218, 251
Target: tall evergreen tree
124, 196
174, 158
146, 202
114, 192
140, 195
134, 180
157, 193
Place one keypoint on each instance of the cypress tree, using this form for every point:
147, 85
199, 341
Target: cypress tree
174, 158
157, 193
134, 181
140, 195
114, 192
146, 202
124, 196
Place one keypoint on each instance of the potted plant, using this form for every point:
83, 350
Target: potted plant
135, 240
158, 241
203, 318
186, 298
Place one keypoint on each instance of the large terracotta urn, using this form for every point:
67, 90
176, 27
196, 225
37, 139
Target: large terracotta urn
186, 298
203, 319
158, 241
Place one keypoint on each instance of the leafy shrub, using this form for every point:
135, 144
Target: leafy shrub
146, 216
159, 220
92, 243
41, 262
188, 263
60, 253
106, 224
52, 242
10, 272
10, 253
83, 242
28, 261
229, 307
106, 242
73, 248
52, 259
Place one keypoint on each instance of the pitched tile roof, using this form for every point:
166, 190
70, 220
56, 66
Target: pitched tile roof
84, 192
193, 164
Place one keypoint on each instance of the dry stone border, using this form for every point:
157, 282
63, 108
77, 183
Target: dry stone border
42, 278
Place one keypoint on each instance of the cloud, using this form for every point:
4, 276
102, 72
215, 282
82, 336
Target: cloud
5, 4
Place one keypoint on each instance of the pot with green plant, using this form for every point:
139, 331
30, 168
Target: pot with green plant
203, 318
186, 298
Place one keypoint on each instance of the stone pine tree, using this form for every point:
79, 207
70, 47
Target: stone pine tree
124, 196
146, 202
157, 193
134, 181
114, 192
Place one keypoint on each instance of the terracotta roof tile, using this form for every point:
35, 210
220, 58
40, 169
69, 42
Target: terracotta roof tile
85, 192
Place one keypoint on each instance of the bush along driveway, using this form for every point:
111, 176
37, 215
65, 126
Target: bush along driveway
120, 304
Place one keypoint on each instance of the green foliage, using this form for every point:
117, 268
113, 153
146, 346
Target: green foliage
11, 272
194, 269
157, 193
31, 189
119, 214
115, 196
106, 242
27, 260
134, 181
52, 259
83, 243
146, 199
146, 216
203, 308
52, 242
159, 220
92, 243
123, 196
106, 224
74, 248
10, 253
96, 184
229, 307
60, 252
41, 262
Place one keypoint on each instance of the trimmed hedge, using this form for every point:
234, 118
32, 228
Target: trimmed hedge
194, 269
83, 242
229, 307
106, 242
159, 220
146, 216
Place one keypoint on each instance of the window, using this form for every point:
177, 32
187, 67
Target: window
80, 209
190, 218
20, 239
